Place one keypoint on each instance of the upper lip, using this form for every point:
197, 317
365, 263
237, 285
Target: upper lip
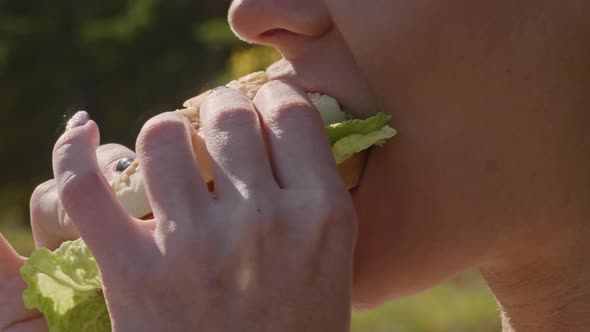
319, 71
285, 70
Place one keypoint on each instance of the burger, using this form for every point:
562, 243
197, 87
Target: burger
350, 140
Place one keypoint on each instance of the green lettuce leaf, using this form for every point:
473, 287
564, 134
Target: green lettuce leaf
340, 130
65, 286
351, 144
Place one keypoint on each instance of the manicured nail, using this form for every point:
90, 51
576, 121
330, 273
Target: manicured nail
221, 87
124, 163
79, 119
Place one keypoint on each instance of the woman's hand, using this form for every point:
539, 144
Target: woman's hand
50, 224
14, 317
272, 251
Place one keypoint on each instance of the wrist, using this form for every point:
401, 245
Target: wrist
155, 315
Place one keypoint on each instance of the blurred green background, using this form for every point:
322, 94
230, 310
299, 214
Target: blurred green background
125, 61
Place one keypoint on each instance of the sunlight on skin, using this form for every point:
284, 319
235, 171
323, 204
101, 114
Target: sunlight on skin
13, 314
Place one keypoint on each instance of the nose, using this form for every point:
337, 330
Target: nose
279, 23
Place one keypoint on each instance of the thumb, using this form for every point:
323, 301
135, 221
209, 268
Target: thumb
10, 260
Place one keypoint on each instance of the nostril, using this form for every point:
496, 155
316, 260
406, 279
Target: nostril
278, 23
283, 39
274, 32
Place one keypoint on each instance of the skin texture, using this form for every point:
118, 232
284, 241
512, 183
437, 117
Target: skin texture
259, 256
490, 165
489, 170
50, 223
14, 317
51, 226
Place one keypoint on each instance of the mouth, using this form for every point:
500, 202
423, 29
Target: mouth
345, 89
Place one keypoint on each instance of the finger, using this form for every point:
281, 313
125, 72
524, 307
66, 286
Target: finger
10, 260
113, 159
299, 146
50, 224
87, 197
234, 140
172, 179
12, 309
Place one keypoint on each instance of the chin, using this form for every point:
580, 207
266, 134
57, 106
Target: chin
368, 295
370, 292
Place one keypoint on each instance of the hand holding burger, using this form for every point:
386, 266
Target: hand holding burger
280, 216
349, 139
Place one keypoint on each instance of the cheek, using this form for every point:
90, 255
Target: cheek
464, 166
430, 63
419, 239
401, 45
466, 83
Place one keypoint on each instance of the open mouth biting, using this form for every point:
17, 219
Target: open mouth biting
344, 86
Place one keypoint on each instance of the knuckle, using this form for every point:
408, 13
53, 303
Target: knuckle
292, 110
272, 85
42, 205
224, 96
163, 127
278, 86
233, 116
106, 148
73, 188
41, 192
168, 121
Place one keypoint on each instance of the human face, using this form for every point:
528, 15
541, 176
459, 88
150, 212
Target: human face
474, 88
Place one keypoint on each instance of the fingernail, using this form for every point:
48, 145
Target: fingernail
221, 87
124, 163
79, 119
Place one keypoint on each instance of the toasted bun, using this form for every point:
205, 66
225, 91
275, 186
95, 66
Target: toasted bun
129, 186
352, 168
